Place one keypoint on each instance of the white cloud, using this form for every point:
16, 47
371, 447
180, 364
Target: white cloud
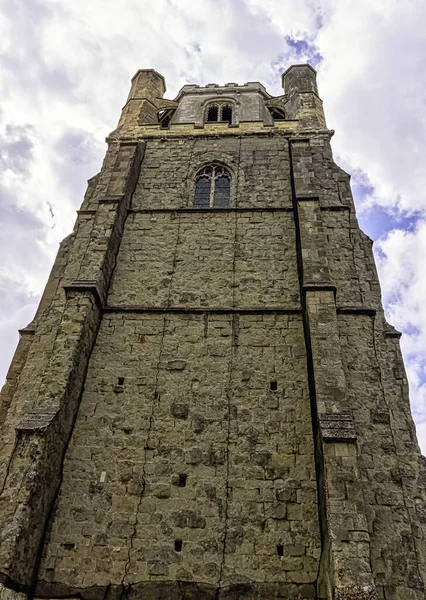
65, 73
373, 81
401, 262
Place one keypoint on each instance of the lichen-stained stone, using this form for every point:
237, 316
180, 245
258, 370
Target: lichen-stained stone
209, 403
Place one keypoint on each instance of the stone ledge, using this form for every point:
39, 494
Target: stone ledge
212, 210
202, 309
28, 330
336, 208
307, 197
90, 211
356, 310
318, 287
176, 131
86, 286
181, 590
391, 332
111, 199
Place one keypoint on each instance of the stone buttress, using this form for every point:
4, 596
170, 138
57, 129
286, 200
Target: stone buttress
209, 403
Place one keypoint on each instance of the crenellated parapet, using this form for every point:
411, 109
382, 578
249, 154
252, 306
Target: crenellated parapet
247, 103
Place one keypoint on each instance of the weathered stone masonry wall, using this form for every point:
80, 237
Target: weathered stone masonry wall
259, 165
195, 401
45, 400
388, 456
203, 316
207, 259
196, 397
371, 475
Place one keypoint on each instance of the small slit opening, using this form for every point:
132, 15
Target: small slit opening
178, 545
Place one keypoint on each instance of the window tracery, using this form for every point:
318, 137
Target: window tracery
212, 187
219, 112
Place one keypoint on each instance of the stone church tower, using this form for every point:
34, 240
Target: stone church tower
209, 403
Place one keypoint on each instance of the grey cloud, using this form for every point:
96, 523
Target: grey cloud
23, 313
78, 157
20, 253
13, 296
40, 76
248, 37
16, 149
77, 146
14, 217
57, 80
20, 234
25, 62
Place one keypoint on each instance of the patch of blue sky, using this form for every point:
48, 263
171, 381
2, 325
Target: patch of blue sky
412, 330
391, 301
298, 51
377, 221
304, 51
361, 188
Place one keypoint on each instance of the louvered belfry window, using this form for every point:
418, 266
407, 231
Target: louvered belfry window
213, 113
212, 187
219, 112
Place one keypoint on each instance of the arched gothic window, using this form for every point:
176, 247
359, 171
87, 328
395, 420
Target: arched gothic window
219, 112
212, 187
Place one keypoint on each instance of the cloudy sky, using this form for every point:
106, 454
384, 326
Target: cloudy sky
65, 72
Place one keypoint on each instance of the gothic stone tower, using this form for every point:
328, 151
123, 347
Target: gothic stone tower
209, 403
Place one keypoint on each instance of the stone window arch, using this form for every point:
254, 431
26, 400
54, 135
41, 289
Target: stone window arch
221, 112
212, 187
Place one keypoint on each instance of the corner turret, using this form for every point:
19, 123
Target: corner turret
145, 98
304, 104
